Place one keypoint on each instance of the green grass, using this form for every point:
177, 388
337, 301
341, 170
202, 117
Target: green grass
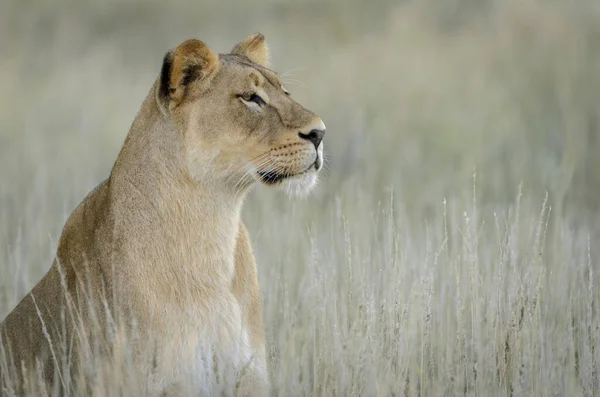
451, 248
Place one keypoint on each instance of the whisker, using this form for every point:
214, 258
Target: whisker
295, 82
327, 168
246, 164
289, 72
247, 176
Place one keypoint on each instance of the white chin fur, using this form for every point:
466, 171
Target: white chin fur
300, 186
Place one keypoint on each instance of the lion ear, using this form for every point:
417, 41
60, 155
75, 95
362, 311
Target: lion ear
190, 63
254, 48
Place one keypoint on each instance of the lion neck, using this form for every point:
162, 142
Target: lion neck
187, 226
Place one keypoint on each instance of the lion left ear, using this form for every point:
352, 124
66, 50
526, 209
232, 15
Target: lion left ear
254, 48
189, 66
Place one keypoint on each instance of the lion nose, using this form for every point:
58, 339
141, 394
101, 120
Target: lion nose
315, 136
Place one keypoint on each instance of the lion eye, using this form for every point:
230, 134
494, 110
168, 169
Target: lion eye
253, 97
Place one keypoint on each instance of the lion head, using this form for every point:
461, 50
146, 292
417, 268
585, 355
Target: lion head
239, 123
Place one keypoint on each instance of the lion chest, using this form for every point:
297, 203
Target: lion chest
201, 348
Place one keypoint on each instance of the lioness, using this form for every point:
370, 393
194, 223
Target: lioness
154, 270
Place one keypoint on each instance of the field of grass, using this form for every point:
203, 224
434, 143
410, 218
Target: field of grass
452, 246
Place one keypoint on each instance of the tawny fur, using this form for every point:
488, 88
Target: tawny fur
155, 266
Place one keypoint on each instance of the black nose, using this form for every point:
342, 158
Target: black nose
315, 136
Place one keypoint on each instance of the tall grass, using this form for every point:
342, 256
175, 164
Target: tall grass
451, 248
479, 303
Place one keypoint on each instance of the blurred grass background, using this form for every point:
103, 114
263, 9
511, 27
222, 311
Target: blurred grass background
405, 272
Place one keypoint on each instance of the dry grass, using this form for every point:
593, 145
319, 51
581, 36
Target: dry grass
405, 274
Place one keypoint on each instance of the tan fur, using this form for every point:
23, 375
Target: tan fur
254, 48
156, 260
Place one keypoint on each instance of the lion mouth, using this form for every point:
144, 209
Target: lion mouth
273, 177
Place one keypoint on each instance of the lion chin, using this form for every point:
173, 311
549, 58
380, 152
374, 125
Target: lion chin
296, 186
300, 186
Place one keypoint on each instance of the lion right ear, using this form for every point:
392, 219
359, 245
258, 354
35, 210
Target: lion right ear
254, 48
185, 70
